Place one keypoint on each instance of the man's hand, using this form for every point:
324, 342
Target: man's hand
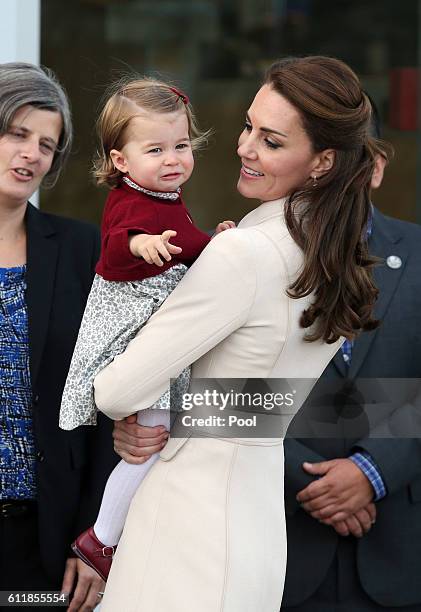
135, 443
87, 585
357, 524
341, 491
151, 246
224, 225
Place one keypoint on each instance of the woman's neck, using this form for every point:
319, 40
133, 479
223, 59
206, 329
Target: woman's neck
12, 236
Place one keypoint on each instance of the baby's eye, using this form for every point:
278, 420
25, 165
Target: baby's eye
155, 150
183, 145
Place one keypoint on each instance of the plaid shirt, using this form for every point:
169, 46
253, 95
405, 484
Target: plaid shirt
365, 462
362, 459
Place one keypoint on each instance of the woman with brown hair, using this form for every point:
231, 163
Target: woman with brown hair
273, 298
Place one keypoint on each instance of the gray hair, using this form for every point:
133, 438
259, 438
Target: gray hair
24, 84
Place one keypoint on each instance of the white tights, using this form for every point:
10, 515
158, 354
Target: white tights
123, 483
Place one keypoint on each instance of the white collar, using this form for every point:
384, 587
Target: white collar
266, 210
164, 195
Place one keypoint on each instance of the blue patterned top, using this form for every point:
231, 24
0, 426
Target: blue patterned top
17, 446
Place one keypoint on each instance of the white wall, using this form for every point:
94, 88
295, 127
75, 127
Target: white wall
20, 33
20, 30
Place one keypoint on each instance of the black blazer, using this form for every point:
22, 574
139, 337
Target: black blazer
389, 556
72, 467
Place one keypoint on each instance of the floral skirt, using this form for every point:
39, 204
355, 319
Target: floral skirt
115, 312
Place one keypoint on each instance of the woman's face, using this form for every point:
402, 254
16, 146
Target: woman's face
276, 154
27, 152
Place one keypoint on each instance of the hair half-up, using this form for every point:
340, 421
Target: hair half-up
329, 220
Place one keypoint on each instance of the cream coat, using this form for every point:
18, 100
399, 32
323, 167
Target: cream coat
206, 529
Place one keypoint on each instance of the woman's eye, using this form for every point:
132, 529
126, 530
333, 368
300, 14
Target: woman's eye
271, 144
16, 133
47, 147
247, 126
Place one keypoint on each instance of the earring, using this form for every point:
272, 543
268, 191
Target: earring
314, 181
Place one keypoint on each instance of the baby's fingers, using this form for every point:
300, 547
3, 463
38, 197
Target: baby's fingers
173, 249
167, 235
154, 257
163, 251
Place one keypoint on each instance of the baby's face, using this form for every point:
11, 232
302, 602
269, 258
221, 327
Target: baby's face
157, 153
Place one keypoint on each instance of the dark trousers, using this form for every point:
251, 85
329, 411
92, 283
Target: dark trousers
341, 590
20, 563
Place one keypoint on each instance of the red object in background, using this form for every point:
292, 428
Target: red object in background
404, 98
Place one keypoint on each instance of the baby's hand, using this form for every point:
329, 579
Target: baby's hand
224, 225
151, 246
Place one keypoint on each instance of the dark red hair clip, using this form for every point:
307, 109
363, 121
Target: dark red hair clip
182, 95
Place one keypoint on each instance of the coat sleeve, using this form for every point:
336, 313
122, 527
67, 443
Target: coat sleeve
212, 300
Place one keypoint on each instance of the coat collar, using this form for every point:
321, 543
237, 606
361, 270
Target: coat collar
266, 210
42, 253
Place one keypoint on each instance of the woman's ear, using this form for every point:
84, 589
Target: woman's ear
324, 162
119, 160
378, 172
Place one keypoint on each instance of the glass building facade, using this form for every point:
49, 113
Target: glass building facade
217, 51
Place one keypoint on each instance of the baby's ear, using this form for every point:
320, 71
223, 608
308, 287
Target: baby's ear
118, 160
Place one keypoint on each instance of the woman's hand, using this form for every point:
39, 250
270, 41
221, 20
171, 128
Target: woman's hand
224, 225
135, 443
151, 246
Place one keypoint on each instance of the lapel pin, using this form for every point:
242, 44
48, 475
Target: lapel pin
394, 262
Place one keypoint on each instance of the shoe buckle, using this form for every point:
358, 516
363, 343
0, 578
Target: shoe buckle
107, 548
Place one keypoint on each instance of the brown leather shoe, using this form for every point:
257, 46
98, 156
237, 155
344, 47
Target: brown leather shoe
94, 553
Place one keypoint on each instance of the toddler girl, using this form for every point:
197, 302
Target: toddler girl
147, 132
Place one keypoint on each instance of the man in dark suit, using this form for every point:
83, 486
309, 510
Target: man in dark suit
336, 465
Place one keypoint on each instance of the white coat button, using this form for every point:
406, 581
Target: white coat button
394, 262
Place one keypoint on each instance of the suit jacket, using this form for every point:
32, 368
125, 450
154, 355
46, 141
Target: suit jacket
389, 556
71, 466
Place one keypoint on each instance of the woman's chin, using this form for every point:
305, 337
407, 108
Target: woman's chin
247, 191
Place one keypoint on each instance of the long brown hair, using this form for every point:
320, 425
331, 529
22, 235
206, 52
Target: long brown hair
331, 224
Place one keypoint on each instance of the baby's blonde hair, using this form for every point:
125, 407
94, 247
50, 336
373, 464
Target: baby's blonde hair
124, 98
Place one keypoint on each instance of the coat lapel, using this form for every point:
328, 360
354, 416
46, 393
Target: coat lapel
386, 240
340, 364
42, 251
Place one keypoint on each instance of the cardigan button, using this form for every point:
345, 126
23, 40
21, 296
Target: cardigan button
40, 456
36, 400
